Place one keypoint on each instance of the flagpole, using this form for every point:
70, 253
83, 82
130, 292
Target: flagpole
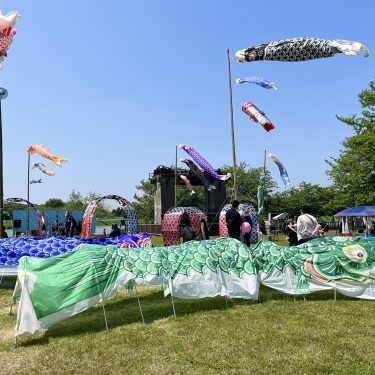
28, 196
264, 162
175, 181
3, 95
232, 128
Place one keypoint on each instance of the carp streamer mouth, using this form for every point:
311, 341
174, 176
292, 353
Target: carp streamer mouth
309, 268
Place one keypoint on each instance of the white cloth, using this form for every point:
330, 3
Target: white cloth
307, 227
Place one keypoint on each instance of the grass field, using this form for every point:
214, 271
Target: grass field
277, 335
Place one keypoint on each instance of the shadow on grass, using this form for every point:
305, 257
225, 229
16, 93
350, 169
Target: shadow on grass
124, 310
267, 294
8, 282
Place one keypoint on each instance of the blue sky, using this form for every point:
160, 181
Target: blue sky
114, 86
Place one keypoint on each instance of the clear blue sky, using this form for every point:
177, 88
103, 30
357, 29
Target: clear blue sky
114, 86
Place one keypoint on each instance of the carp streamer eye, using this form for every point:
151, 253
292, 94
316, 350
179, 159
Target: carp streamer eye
355, 253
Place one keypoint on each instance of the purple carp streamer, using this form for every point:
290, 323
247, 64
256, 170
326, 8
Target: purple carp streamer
257, 80
203, 163
300, 49
198, 173
283, 173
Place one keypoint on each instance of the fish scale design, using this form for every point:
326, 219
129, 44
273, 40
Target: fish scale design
300, 49
12, 249
196, 269
203, 163
330, 259
224, 254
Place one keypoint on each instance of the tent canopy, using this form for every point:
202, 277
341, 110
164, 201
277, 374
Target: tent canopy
281, 216
358, 211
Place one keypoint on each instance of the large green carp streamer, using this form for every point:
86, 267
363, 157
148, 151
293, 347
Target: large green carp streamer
56, 288
53, 289
346, 264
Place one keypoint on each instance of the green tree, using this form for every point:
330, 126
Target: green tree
79, 202
247, 184
292, 200
367, 121
117, 212
76, 201
54, 203
102, 209
353, 172
144, 202
11, 206
184, 199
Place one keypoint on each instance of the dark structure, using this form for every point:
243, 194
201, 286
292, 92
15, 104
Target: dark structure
164, 180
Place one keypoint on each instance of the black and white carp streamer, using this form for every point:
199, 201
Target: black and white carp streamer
300, 49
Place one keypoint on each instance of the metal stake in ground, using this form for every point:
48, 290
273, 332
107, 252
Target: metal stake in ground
139, 302
3, 95
171, 290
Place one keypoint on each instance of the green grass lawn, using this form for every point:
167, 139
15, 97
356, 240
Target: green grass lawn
277, 335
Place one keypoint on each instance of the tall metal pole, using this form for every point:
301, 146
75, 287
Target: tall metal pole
3, 95
264, 162
232, 128
175, 181
28, 196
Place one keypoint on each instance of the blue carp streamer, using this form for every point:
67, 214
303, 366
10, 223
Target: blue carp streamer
12, 249
283, 173
257, 80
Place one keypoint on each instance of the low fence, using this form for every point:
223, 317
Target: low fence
150, 228
156, 229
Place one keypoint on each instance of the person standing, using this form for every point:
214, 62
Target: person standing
246, 226
291, 229
70, 224
307, 226
115, 232
233, 219
203, 229
187, 232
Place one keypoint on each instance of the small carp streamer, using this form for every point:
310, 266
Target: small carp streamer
283, 173
203, 163
36, 181
43, 168
257, 80
45, 153
187, 183
257, 115
300, 49
198, 173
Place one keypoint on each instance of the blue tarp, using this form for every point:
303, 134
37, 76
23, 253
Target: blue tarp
358, 211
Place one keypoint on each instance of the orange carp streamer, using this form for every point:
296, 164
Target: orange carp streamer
44, 152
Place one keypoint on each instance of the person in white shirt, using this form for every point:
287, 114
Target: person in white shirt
307, 226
